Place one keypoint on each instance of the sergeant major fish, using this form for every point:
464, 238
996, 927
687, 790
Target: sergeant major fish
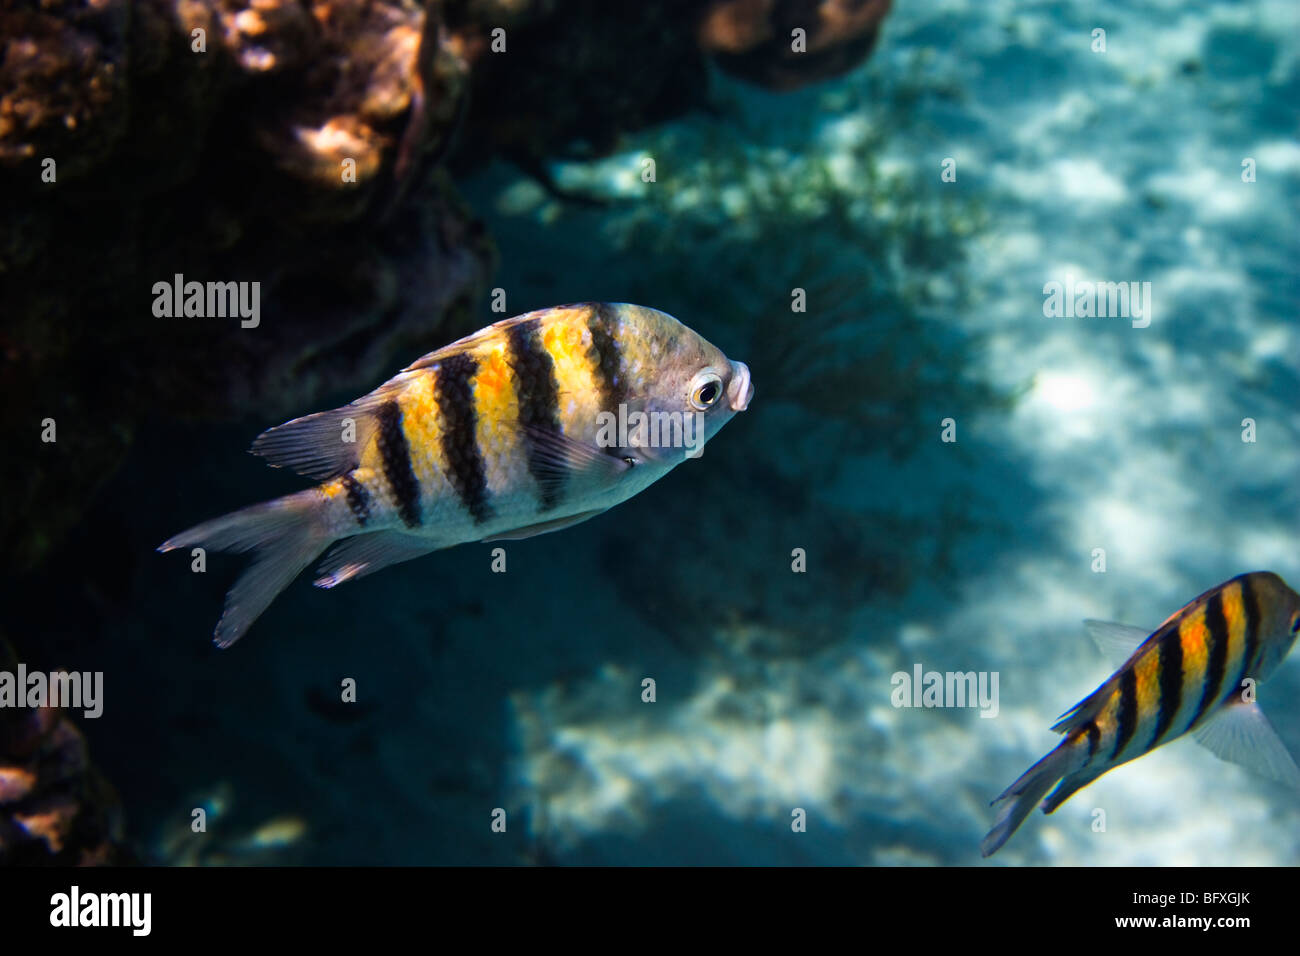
518, 429
1188, 675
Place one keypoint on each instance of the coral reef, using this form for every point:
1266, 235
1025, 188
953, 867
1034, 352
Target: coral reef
295, 145
755, 39
572, 82
314, 84
278, 143
55, 807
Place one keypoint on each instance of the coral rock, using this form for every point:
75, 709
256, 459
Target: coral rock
55, 808
15, 783
754, 38
272, 141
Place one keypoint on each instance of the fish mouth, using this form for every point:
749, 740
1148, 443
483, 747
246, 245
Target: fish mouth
741, 390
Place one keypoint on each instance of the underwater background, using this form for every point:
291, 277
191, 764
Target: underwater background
924, 302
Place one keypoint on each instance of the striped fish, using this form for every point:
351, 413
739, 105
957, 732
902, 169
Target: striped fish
531, 425
1196, 672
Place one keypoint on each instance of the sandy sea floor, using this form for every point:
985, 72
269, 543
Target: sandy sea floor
1117, 166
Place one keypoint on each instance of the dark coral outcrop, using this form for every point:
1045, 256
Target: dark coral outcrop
55, 807
307, 146
288, 144
756, 39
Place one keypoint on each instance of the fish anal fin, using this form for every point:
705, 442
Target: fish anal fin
365, 554
1240, 733
545, 527
1068, 787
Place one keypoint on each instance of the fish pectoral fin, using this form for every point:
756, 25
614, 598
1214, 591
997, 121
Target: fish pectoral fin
554, 459
545, 527
365, 554
1117, 642
1240, 733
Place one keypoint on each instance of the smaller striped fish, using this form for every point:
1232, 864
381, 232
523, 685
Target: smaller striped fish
1196, 672
530, 425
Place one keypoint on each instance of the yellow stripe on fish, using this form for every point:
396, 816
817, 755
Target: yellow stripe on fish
566, 337
1189, 674
503, 434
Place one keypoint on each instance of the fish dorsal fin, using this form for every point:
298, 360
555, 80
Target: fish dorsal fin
1117, 642
313, 445
471, 341
1085, 710
323, 445
1199, 599
447, 351
545, 527
1240, 733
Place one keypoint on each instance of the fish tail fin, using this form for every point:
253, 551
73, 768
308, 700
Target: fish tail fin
1022, 796
287, 534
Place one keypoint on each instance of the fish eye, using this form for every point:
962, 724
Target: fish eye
707, 391
1295, 624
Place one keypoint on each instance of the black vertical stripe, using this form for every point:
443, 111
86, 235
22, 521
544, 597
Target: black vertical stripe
466, 469
1171, 682
1250, 605
395, 454
1217, 628
1127, 718
1094, 737
358, 499
612, 376
538, 390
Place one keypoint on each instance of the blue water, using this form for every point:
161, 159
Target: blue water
523, 691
